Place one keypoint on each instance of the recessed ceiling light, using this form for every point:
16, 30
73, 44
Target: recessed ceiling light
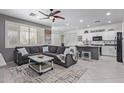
88, 25
108, 13
81, 20
67, 24
109, 22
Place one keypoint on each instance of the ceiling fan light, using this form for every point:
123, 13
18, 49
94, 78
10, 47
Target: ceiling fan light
51, 17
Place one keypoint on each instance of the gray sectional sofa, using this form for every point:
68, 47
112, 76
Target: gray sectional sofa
53, 52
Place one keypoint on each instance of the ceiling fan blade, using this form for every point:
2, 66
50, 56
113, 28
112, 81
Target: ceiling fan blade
59, 17
53, 13
43, 13
44, 18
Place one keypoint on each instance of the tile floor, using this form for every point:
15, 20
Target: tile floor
105, 70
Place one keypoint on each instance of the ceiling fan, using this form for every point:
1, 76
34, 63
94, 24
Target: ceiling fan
52, 15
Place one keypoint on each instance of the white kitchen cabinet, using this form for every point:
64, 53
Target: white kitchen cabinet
112, 51
109, 35
108, 51
105, 50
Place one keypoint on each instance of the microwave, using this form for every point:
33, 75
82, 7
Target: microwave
97, 38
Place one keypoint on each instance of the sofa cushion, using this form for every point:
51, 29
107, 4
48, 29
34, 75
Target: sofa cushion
60, 50
53, 49
25, 57
35, 49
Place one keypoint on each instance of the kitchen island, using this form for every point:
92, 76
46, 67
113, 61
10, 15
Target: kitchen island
95, 51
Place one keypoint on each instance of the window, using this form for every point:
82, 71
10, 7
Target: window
24, 35
40, 36
19, 34
33, 36
12, 35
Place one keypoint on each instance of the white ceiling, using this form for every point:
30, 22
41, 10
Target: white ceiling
72, 17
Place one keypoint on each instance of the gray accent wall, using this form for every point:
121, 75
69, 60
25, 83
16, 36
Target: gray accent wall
8, 52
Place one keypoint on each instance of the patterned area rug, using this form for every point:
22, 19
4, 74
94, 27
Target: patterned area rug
24, 74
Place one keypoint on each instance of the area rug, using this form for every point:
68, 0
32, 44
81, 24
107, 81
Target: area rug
24, 74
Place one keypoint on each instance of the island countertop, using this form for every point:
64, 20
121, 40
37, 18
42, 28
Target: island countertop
89, 46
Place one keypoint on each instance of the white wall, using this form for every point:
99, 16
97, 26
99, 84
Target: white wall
56, 37
70, 39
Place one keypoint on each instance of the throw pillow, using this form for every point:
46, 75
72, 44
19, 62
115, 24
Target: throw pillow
23, 51
45, 49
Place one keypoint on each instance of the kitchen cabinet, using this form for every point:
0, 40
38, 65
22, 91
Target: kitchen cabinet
108, 51
109, 35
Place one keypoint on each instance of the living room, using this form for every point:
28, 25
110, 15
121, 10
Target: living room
61, 45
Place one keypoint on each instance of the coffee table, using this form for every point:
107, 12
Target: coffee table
41, 63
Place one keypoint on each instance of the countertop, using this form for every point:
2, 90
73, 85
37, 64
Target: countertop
90, 46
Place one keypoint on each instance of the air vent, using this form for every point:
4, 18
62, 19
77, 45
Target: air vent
32, 14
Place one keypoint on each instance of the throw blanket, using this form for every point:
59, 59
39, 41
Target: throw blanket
70, 50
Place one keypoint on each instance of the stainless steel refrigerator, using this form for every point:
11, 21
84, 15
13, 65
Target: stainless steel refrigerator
120, 47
